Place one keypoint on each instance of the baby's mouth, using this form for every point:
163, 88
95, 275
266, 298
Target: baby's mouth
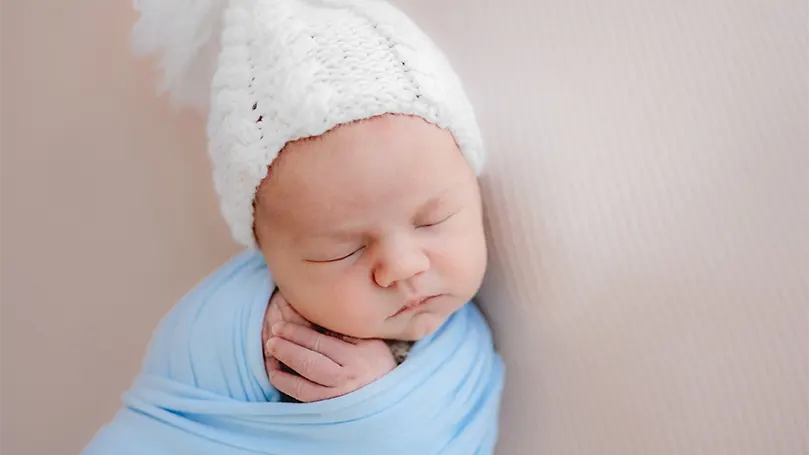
414, 303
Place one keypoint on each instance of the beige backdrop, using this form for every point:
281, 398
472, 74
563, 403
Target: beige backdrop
108, 216
647, 196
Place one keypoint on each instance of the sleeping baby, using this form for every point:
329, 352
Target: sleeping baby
345, 156
373, 230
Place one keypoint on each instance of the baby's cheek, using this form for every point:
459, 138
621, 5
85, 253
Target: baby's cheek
349, 311
464, 266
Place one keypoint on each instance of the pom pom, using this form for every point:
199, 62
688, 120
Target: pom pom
184, 36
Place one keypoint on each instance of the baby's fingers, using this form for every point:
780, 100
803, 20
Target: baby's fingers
270, 364
300, 388
289, 314
310, 364
335, 349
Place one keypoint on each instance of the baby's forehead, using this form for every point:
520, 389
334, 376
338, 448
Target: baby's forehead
383, 154
379, 169
319, 211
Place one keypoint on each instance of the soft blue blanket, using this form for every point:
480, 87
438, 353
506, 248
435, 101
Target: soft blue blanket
203, 389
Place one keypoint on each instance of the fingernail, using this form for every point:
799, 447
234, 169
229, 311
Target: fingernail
270, 345
277, 328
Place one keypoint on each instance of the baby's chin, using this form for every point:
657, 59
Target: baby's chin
420, 326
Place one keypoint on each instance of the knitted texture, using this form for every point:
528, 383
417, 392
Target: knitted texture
292, 69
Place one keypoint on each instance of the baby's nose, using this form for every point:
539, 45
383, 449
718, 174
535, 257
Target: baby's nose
400, 262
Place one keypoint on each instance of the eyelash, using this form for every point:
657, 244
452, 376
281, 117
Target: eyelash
340, 258
436, 223
328, 261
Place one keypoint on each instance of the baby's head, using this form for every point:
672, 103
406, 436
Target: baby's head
360, 225
343, 146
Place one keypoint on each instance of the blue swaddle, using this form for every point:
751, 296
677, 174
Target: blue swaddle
203, 389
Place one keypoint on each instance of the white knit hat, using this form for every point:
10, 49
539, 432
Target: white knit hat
274, 71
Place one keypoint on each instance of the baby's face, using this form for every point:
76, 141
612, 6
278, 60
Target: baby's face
363, 224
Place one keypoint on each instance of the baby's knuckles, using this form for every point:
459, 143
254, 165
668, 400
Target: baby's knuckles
368, 360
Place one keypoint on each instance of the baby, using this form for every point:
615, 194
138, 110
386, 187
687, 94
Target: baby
372, 230
345, 156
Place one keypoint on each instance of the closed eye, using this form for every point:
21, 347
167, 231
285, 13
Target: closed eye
437, 222
326, 261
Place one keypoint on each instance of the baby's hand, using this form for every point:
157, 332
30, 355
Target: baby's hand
280, 310
328, 367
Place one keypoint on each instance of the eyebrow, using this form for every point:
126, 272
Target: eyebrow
340, 234
433, 202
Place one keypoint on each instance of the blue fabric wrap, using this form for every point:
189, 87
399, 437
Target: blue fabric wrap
203, 388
